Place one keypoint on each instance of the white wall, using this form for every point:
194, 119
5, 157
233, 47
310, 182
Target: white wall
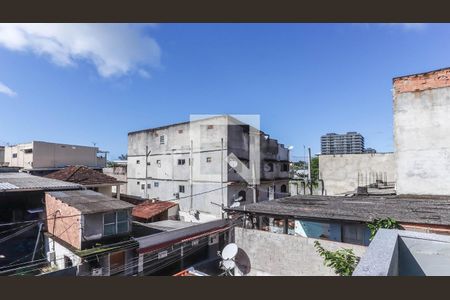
277, 254
340, 172
422, 141
52, 155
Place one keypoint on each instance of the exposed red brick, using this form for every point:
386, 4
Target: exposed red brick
63, 221
424, 81
429, 228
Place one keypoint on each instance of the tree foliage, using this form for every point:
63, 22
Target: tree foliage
387, 223
342, 261
123, 157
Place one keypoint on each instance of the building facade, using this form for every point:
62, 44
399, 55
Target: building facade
422, 132
162, 162
343, 174
2, 155
349, 143
78, 221
40, 157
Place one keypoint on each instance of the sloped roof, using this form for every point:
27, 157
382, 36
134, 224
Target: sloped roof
83, 175
149, 209
418, 209
89, 202
17, 182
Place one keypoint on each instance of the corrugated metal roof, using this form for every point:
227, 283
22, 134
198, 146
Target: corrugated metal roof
88, 202
16, 182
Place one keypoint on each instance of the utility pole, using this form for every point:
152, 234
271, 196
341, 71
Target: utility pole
221, 176
147, 153
191, 162
309, 171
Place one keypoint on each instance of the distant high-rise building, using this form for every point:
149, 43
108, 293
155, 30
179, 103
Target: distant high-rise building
349, 143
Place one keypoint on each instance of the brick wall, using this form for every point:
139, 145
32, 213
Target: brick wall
66, 226
421, 82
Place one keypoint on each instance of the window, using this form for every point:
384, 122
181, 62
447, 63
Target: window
283, 188
241, 196
284, 168
149, 186
138, 161
181, 188
180, 131
181, 161
138, 183
115, 223
269, 167
210, 127
156, 184
162, 140
28, 151
208, 159
14, 155
158, 162
142, 186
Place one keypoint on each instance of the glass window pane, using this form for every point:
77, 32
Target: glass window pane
109, 218
109, 229
122, 216
122, 227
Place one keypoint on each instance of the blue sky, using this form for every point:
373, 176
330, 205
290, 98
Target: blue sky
95, 83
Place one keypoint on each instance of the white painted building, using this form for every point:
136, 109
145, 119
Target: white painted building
42, 156
161, 164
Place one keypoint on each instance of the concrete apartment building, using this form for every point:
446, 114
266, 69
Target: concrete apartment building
40, 158
422, 132
166, 171
349, 143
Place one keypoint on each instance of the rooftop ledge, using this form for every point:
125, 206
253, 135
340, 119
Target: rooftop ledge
406, 253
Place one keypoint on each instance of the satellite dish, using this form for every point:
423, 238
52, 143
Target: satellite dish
230, 251
235, 204
228, 264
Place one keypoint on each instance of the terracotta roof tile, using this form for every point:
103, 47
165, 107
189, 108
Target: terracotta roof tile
149, 209
83, 175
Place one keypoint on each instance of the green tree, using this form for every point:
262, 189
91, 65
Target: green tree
387, 223
315, 170
123, 157
342, 261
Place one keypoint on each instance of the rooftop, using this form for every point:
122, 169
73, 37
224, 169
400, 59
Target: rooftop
406, 209
149, 209
168, 225
89, 202
406, 253
83, 175
18, 182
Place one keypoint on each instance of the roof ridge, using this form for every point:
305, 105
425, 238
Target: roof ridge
77, 168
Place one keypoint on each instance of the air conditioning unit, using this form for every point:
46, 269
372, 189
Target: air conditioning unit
97, 272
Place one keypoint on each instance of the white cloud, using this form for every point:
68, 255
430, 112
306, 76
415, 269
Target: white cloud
114, 49
4, 89
409, 26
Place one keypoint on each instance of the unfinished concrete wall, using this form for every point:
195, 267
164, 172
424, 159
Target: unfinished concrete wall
422, 133
275, 254
340, 172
